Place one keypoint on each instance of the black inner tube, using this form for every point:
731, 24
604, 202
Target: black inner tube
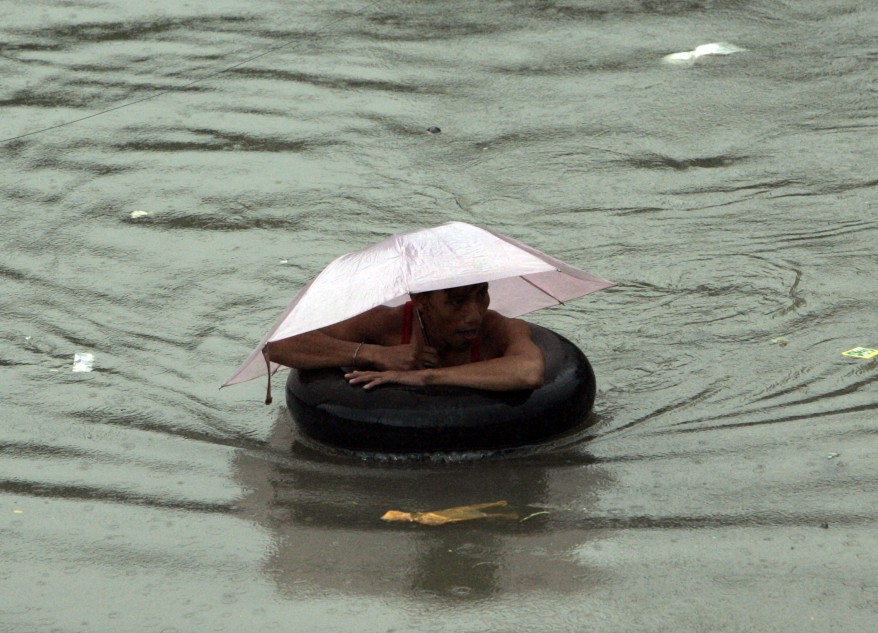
402, 419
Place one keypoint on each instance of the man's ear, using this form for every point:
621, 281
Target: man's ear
422, 301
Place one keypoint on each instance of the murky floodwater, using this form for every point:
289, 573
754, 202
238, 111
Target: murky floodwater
728, 484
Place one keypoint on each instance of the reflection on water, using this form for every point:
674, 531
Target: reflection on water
324, 516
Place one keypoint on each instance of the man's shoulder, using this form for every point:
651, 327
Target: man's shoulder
384, 313
501, 334
495, 324
382, 323
372, 324
493, 319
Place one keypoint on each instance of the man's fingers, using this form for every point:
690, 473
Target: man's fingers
429, 358
370, 378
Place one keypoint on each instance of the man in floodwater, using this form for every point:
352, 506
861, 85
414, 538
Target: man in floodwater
442, 337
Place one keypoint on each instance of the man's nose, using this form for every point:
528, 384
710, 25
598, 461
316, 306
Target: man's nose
472, 314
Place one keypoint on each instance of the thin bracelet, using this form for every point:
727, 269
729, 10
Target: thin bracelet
356, 351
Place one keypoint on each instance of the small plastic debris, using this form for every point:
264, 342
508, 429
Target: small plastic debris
140, 214
452, 515
433, 130
83, 361
687, 58
535, 514
780, 340
832, 456
861, 352
284, 261
17, 511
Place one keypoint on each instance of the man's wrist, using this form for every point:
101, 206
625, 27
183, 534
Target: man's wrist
427, 377
356, 354
366, 357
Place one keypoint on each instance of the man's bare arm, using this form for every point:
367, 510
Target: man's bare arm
345, 345
314, 350
522, 366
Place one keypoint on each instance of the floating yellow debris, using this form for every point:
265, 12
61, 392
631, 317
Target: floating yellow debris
861, 352
140, 214
452, 515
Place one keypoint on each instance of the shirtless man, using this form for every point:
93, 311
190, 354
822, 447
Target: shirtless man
443, 337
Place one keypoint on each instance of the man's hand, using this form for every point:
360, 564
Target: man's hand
403, 357
371, 379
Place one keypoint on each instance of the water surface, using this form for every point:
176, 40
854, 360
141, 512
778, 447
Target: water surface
727, 483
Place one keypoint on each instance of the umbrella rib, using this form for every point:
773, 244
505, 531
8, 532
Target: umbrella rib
545, 292
400, 253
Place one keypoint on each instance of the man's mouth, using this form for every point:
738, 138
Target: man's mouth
468, 334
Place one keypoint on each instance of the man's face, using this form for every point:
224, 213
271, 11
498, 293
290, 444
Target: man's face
453, 316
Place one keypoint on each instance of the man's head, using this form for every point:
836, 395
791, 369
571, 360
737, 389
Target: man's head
452, 316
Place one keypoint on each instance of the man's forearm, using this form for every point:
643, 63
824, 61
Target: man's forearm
499, 374
314, 350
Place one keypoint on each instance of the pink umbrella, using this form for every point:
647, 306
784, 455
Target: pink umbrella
522, 279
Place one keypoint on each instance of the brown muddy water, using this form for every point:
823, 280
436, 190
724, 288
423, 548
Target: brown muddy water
728, 483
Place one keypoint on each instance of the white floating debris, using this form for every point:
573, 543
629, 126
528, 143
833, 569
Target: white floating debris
284, 260
83, 361
780, 340
139, 214
715, 48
